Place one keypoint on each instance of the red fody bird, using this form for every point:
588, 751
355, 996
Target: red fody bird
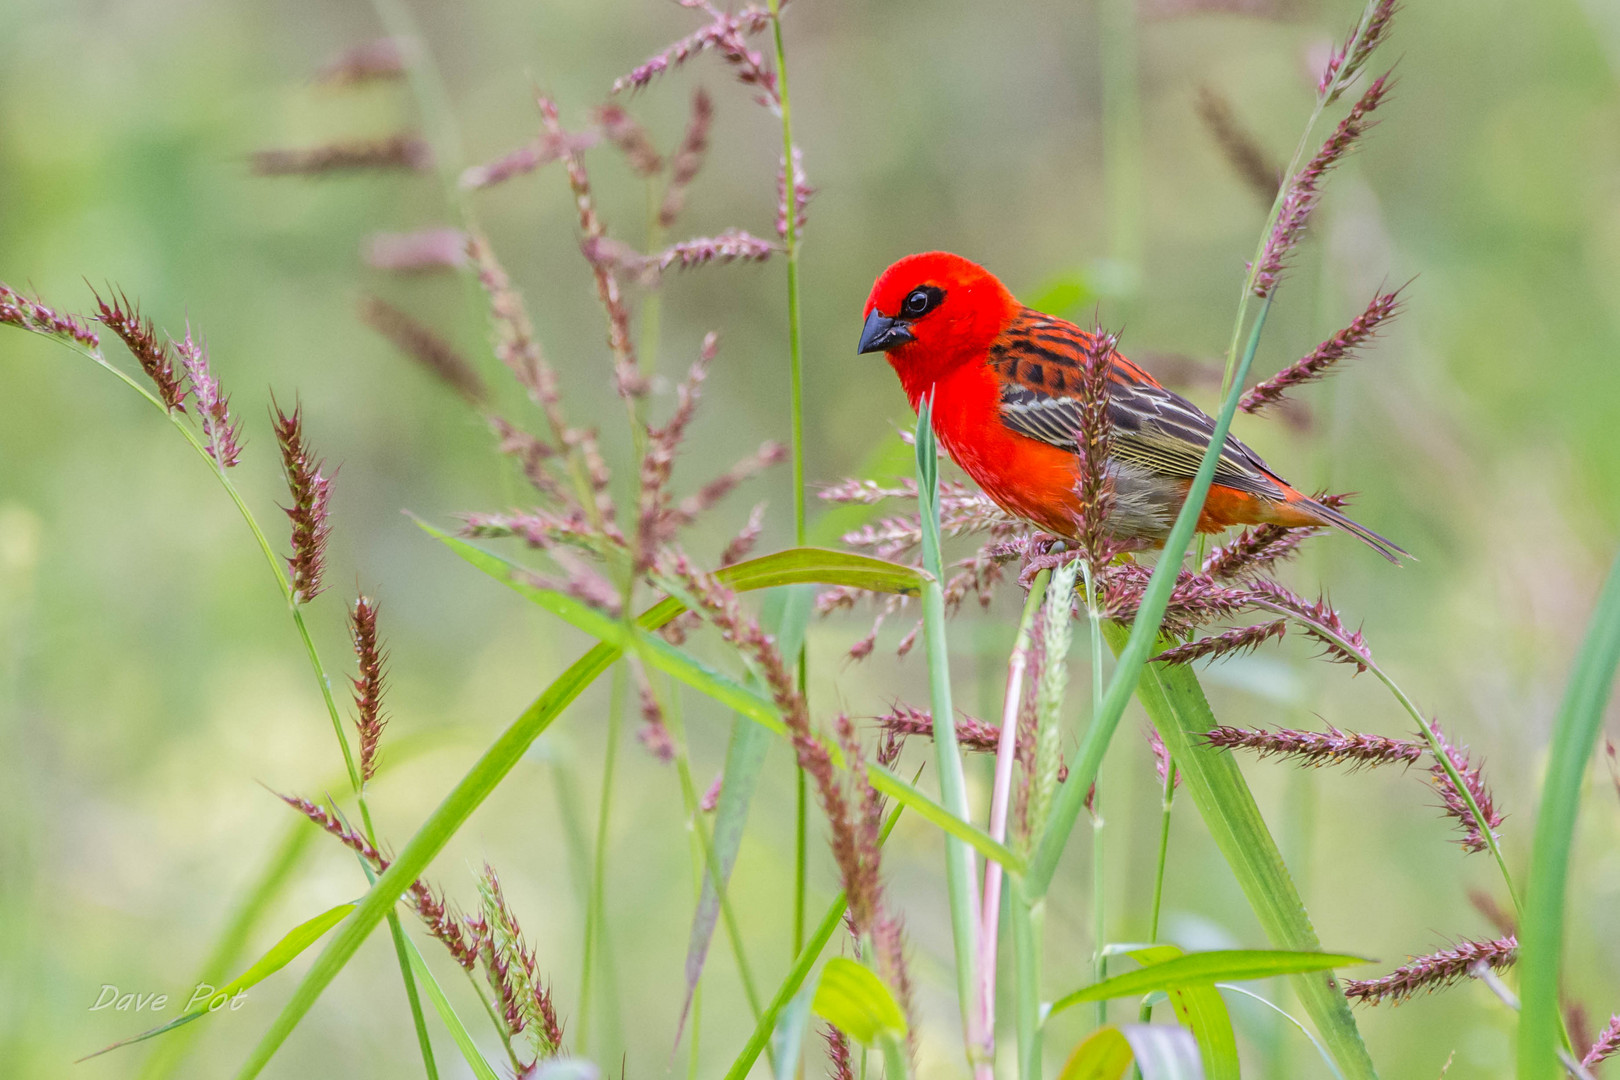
1005, 380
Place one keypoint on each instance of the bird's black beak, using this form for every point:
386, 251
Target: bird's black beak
881, 333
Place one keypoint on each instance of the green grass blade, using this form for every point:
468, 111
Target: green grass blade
797, 974
1206, 969
447, 1014
907, 794
1133, 652
296, 840
1541, 938
786, 620
280, 954
785, 568
1175, 703
960, 883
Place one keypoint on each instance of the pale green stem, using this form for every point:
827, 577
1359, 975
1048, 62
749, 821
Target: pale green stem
960, 874
595, 908
1146, 1013
1122, 136
1027, 921
1006, 751
796, 414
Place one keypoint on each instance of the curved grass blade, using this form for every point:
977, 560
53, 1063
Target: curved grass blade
1202, 1012
1327, 1058
1205, 969
447, 1014
783, 568
1175, 702
280, 954
1541, 937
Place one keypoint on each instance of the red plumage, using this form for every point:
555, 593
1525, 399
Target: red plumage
1006, 382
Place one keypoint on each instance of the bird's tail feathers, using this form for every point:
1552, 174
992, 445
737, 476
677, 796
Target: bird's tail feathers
1329, 516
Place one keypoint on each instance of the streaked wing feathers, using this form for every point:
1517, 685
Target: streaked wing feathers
1039, 359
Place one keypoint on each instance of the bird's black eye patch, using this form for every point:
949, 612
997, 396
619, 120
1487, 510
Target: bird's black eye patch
920, 301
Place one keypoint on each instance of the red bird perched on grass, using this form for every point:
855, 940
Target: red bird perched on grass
1006, 384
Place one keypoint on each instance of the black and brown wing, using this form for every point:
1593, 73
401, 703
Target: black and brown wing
1039, 358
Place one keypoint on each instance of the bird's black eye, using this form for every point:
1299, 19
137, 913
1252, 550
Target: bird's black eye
921, 301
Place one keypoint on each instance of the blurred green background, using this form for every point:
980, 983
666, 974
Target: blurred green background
150, 683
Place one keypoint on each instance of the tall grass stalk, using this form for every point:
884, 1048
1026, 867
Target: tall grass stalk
990, 928
1575, 732
960, 875
796, 417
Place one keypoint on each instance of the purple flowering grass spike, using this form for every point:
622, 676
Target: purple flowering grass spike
149, 350
311, 505
371, 664
1304, 190
1426, 974
1243, 639
687, 159
801, 195
421, 252
404, 151
1320, 361
424, 345
34, 316
1453, 801
1314, 748
625, 132
1348, 59
221, 435
1606, 1046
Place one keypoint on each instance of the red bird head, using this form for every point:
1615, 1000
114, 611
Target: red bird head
932, 312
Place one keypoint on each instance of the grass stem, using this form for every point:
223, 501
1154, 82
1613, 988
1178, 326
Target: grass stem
1006, 751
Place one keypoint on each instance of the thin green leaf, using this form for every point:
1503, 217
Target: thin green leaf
447, 1015
1104, 1055
1205, 969
852, 998
1175, 702
505, 752
280, 954
787, 1038
887, 783
786, 620
1541, 937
